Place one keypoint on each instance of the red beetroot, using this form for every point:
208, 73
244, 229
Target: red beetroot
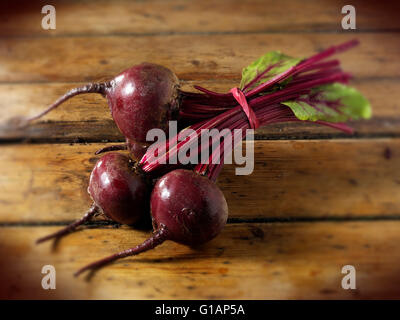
140, 98
147, 96
189, 205
186, 207
118, 190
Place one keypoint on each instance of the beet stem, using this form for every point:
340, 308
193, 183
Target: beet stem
68, 229
159, 236
89, 88
114, 147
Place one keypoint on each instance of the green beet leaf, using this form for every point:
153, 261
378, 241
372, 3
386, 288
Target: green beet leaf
273, 63
332, 103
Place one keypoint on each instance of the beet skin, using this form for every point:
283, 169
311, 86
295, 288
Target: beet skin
191, 207
117, 188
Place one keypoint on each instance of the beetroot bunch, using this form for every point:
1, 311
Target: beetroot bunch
185, 204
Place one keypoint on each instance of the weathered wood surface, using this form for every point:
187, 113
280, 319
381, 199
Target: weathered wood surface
291, 179
67, 59
313, 185
179, 16
246, 261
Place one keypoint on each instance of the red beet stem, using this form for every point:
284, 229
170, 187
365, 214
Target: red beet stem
159, 236
211, 93
171, 151
89, 88
224, 112
262, 103
258, 77
307, 63
114, 147
323, 65
86, 217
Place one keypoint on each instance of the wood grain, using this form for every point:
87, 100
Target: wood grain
87, 117
146, 17
199, 57
309, 208
246, 261
291, 179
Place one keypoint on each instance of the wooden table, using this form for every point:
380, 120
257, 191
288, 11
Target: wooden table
316, 201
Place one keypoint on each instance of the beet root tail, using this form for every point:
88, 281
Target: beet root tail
114, 147
158, 238
89, 88
68, 229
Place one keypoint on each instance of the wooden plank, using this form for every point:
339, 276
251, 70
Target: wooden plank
279, 261
87, 117
291, 179
179, 16
106, 131
192, 57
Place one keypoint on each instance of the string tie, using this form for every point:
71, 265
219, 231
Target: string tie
241, 99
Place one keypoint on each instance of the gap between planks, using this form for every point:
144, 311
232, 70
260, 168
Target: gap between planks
199, 33
106, 224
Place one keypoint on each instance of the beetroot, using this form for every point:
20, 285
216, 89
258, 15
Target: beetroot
186, 208
118, 190
140, 98
189, 205
147, 96
137, 149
